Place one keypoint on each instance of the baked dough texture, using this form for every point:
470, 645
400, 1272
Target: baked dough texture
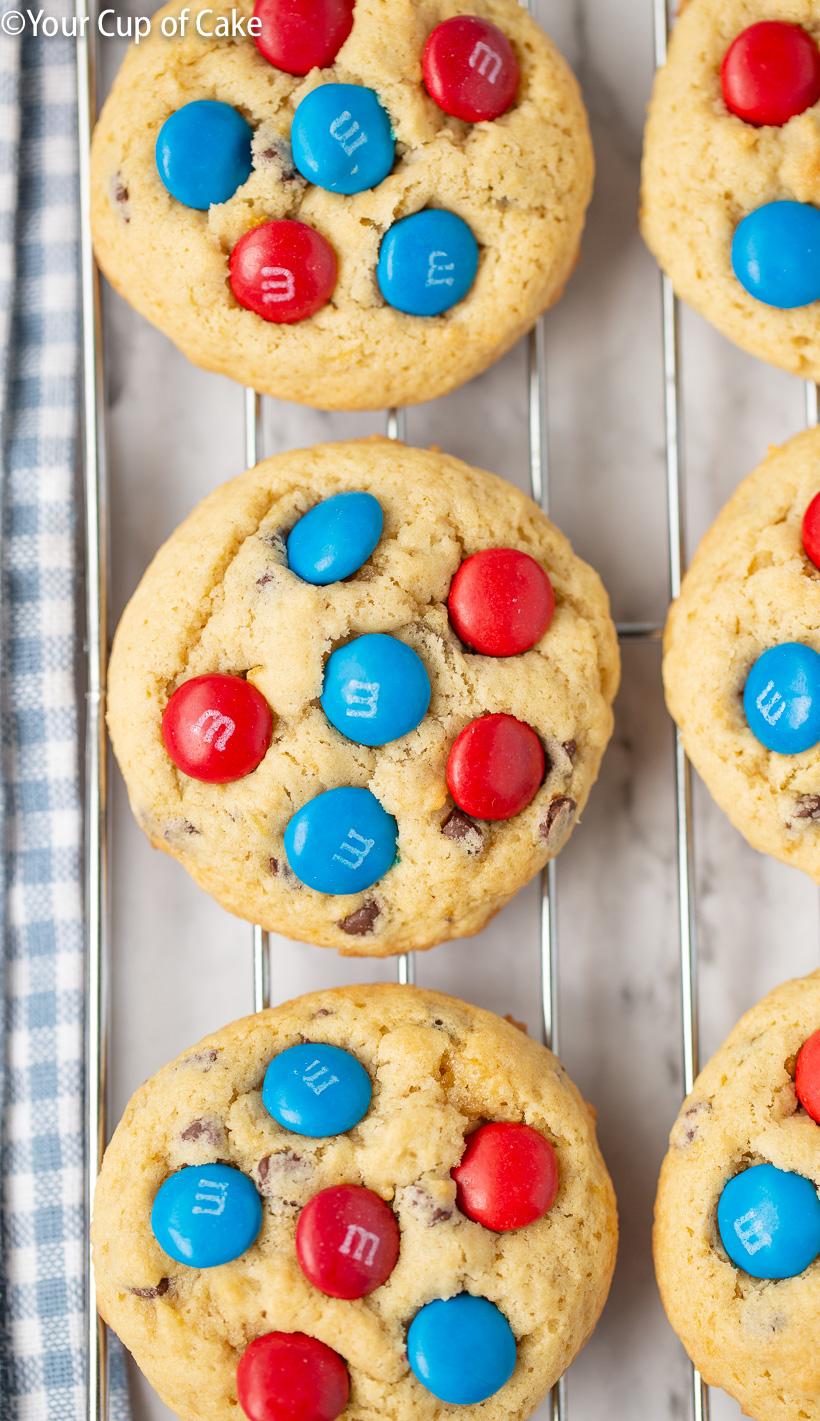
705, 169
750, 586
522, 183
220, 597
439, 1069
755, 1338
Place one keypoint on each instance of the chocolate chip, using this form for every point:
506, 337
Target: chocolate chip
282, 1175
560, 806
571, 747
280, 868
424, 1207
264, 579
207, 1130
687, 1127
149, 1293
807, 806
462, 830
205, 1059
323, 1011
360, 922
177, 827
120, 190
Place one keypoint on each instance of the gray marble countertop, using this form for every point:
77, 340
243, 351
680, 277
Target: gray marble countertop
182, 966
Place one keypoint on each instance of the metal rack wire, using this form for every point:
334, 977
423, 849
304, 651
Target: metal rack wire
95, 484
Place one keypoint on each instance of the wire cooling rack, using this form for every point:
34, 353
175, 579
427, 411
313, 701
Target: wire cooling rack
96, 538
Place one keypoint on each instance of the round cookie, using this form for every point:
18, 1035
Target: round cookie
521, 184
220, 598
754, 1337
706, 169
751, 587
439, 1068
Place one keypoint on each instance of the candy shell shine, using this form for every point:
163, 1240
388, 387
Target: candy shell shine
375, 689
283, 271
347, 1241
206, 1215
461, 1349
427, 262
300, 35
288, 1376
335, 538
341, 841
341, 138
316, 1090
776, 254
203, 153
781, 698
769, 1222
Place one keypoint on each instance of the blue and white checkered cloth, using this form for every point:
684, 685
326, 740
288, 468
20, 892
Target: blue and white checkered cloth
42, 1219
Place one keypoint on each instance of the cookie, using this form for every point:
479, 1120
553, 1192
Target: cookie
731, 173
360, 1238
394, 249
740, 1183
331, 758
741, 665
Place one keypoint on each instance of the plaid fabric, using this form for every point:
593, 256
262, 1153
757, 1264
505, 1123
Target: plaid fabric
42, 1223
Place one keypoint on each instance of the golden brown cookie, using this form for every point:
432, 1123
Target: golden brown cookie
521, 182
755, 1337
439, 1068
220, 597
705, 169
750, 587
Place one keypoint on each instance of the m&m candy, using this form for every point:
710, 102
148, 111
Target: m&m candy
769, 1222
347, 1241
781, 698
495, 767
203, 153
501, 602
217, 728
771, 72
284, 271
807, 1076
470, 68
342, 139
427, 262
507, 1177
335, 538
300, 35
316, 1090
375, 689
461, 1349
342, 841
204, 1216
811, 530
776, 254
288, 1376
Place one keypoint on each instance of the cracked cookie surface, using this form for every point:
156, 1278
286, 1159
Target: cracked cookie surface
439, 1068
755, 1338
705, 169
521, 183
220, 597
750, 586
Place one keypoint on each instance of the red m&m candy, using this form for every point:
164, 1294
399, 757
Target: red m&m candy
807, 1076
811, 530
300, 35
501, 602
508, 1176
217, 728
470, 68
770, 73
284, 271
495, 767
288, 1376
347, 1241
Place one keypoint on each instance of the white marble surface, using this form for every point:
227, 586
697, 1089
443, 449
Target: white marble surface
183, 967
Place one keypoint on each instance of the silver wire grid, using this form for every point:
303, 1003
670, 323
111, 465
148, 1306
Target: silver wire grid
96, 818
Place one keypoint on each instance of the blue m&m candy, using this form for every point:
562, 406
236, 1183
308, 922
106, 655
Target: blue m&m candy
335, 538
776, 254
782, 698
376, 689
769, 1222
427, 262
461, 1349
204, 153
316, 1090
342, 841
341, 138
206, 1216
